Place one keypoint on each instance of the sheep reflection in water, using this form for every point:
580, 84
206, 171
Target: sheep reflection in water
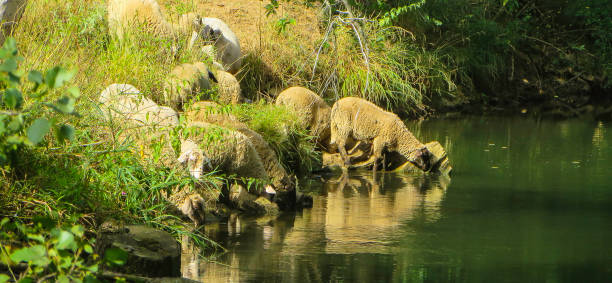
352, 214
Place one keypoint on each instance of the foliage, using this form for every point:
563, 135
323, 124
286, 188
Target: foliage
26, 122
50, 253
281, 129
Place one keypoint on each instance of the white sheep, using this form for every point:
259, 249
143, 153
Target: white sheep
125, 102
210, 112
356, 118
123, 14
225, 41
228, 88
312, 110
207, 147
184, 82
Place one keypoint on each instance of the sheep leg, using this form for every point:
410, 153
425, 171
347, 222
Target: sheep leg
377, 149
341, 144
352, 150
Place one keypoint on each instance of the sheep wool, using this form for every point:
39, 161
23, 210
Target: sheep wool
123, 14
209, 112
364, 121
225, 41
312, 110
206, 147
184, 82
145, 122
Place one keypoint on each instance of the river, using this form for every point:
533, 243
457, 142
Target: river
528, 201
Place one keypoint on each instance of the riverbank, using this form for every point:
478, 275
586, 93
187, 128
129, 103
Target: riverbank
88, 174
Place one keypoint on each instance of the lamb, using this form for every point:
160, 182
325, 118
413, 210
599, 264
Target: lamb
209, 112
185, 81
312, 109
207, 147
365, 122
225, 42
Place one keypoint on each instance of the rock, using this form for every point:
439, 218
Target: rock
151, 252
266, 207
10, 13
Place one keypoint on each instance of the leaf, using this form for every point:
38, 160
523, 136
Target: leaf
65, 105
88, 249
115, 256
37, 131
65, 241
4, 221
74, 92
37, 255
62, 279
65, 132
35, 77
9, 65
77, 230
12, 98
26, 280
4, 278
57, 76
36, 237
9, 48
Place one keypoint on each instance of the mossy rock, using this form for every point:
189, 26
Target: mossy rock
151, 252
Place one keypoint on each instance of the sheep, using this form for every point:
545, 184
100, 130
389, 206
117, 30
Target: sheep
311, 108
228, 87
123, 13
205, 111
143, 120
208, 147
10, 13
225, 41
185, 81
124, 101
365, 122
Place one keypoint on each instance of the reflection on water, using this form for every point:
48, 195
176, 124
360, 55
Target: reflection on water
352, 214
529, 201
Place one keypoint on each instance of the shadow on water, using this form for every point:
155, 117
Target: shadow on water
529, 201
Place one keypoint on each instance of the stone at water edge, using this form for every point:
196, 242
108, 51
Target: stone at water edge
151, 252
10, 13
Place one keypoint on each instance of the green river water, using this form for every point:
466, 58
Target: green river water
528, 201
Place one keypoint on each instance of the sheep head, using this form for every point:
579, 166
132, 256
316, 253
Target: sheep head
422, 158
193, 157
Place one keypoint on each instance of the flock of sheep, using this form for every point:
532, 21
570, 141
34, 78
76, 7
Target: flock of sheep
236, 149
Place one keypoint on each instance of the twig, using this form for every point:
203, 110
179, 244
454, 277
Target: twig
79, 145
329, 28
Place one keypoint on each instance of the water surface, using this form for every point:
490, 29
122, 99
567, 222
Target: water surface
528, 201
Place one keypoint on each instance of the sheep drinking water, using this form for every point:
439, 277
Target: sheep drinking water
363, 121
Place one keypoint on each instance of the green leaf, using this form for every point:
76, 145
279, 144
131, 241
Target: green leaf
57, 76
26, 280
4, 221
88, 249
12, 98
65, 241
115, 256
35, 77
9, 48
37, 255
9, 65
16, 123
65, 105
36, 237
74, 92
4, 278
78, 230
62, 279
37, 131
65, 132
